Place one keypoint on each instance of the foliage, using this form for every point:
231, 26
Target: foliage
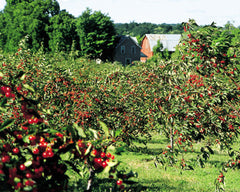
44, 127
97, 34
203, 97
140, 29
30, 18
62, 32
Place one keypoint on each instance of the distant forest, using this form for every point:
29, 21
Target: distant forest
140, 29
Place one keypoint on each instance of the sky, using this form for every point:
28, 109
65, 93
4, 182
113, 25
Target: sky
204, 12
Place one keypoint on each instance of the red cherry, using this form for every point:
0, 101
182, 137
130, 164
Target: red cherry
81, 145
119, 182
35, 151
42, 139
16, 150
22, 167
29, 183
32, 137
28, 175
45, 155
8, 94
19, 136
8, 89
103, 154
5, 159
49, 149
19, 185
43, 144
94, 152
104, 164
35, 120
112, 157
109, 155
19, 88
30, 121
50, 154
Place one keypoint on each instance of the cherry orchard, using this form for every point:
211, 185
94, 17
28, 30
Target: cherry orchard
36, 130
203, 101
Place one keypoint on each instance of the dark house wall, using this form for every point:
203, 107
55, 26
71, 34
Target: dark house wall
127, 51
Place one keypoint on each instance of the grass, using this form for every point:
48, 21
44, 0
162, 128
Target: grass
150, 178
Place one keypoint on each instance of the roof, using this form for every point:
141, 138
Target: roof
143, 55
169, 41
125, 37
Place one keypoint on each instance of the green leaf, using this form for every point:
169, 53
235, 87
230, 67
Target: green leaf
28, 87
117, 132
17, 180
3, 102
28, 163
27, 188
104, 128
112, 163
72, 131
6, 124
95, 133
3, 109
88, 150
26, 139
79, 130
107, 169
1, 74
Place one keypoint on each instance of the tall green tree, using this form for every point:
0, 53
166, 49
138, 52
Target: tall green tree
2, 34
97, 35
28, 18
62, 32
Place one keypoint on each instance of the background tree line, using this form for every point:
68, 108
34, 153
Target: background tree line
140, 29
43, 24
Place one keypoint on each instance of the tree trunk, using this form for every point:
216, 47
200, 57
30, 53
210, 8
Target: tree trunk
171, 138
90, 180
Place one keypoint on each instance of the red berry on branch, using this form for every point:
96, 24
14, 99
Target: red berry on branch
35, 120
94, 152
35, 151
109, 155
104, 164
29, 175
22, 167
30, 121
29, 183
112, 157
5, 159
16, 150
50, 154
119, 182
103, 154
45, 155
8, 94
19, 185
32, 137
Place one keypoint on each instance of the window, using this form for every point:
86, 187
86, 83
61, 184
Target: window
122, 49
133, 50
128, 61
